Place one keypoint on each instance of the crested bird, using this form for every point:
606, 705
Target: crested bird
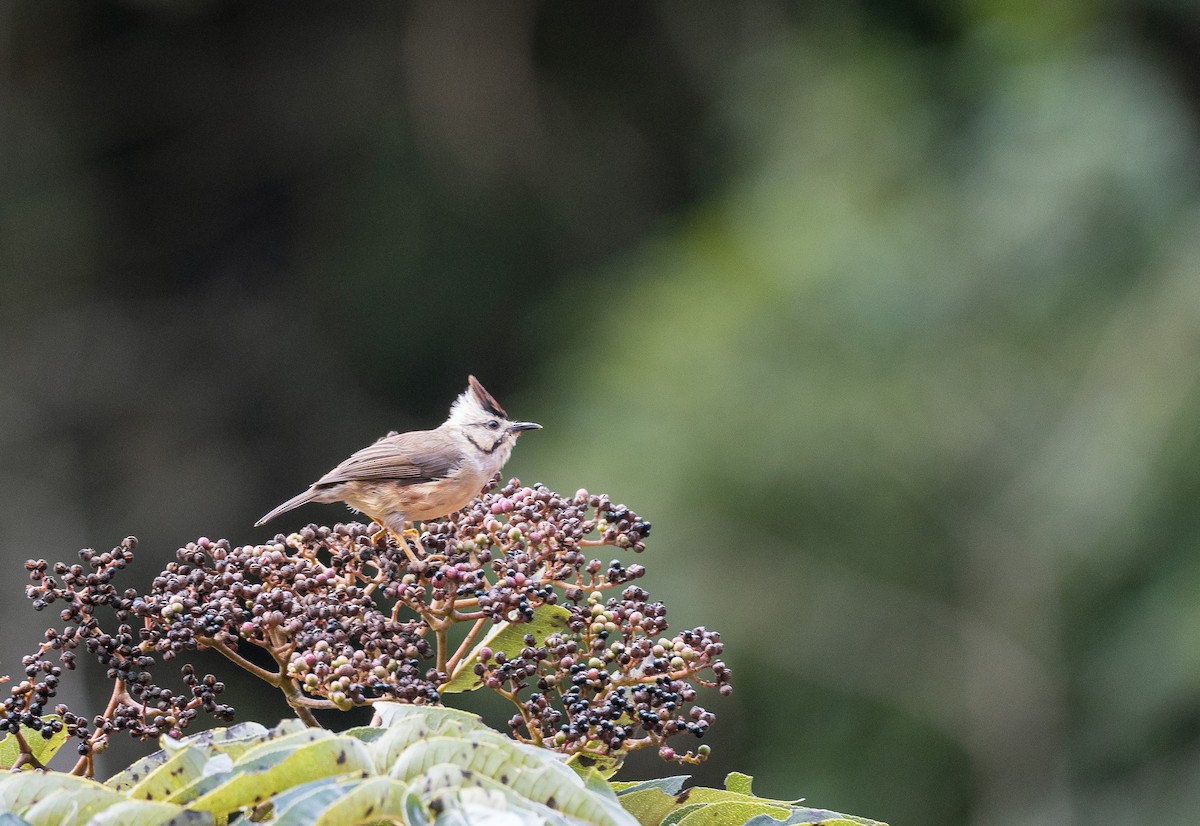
421, 474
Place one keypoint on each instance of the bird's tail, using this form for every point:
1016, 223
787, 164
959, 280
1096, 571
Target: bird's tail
294, 502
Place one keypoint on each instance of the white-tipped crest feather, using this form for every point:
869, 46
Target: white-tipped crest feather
474, 404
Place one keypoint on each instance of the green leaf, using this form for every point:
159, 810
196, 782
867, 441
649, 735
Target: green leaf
679, 814
137, 771
538, 796
321, 791
484, 751
71, 805
605, 765
596, 782
803, 816
559, 788
509, 638
406, 729
701, 794
368, 734
649, 806
232, 741
730, 813
40, 747
254, 779
285, 743
372, 800
180, 769
414, 811
386, 750
669, 785
439, 767
391, 714
148, 813
20, 790
738, 782
661, 801
342, 800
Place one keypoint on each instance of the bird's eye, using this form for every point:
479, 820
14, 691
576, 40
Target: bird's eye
493, 424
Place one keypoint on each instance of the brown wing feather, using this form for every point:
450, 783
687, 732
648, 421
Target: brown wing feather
408, 458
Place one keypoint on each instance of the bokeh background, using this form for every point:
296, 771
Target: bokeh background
886, 313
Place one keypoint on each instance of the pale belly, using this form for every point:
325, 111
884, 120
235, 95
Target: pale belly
390, 503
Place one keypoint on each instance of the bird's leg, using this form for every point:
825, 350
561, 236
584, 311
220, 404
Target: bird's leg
400, 538
385, 530
381, 533
401, 534
402, 531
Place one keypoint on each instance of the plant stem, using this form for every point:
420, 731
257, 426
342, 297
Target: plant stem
25, 754
296, 700
291, 691
535, 733
84, 766
271, 677
466, 643
442, 635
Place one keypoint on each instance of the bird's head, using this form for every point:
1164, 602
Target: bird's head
484, 422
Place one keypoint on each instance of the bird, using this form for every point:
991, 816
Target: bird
421, 474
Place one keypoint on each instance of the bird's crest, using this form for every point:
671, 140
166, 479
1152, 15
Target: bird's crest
486, 400
475, 397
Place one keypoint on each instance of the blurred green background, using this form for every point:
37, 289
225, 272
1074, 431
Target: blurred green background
886, 313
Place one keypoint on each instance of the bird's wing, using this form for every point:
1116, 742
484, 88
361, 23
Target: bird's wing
407, 458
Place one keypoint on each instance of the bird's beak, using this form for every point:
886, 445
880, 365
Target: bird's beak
517, 427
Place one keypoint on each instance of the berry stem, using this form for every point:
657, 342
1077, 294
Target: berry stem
25, 756
441, 633
466, 643
272, 677
86, 766
531, 726
291, 691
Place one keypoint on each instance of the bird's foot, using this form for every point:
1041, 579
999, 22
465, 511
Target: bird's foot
403, 540
422, 555
408, 539
399, 537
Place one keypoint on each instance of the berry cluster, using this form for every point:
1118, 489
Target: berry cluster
535, 540
137, 705
606, 686
349, 617
310, 600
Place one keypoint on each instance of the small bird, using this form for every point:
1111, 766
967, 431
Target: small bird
422, 474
